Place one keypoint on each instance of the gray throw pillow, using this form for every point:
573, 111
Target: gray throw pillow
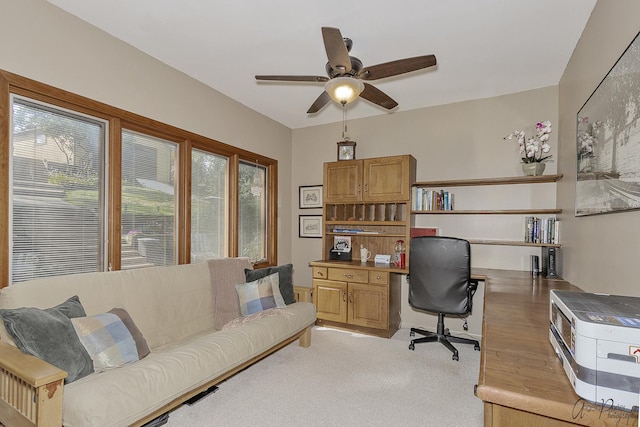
286, 279
49, 335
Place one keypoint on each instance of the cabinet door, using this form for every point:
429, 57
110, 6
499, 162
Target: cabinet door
343, 181
368, 305
330, 299
387, 178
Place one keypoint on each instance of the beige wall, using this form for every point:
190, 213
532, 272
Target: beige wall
600, 252
461, 140
44, 43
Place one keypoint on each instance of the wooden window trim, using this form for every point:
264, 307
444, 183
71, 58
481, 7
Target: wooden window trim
118, 120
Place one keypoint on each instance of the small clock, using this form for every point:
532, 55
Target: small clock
346, 150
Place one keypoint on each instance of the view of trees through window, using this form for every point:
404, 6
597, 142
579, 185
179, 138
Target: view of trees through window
148, 201
252, 236
209, 225
57, 192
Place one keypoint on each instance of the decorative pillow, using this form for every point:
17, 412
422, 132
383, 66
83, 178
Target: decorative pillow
111, 339
286, 279
259, 295
49, 335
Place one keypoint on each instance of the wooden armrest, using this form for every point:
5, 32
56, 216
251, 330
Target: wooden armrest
32, 389
35, 372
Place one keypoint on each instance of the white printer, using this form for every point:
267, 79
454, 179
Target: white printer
597, 338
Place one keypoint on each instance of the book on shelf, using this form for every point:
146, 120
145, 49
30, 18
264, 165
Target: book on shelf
347, 230
424, 231
424, 199
356, 231
541, 230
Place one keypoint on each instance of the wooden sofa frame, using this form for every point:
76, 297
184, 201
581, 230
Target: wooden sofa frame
31, 390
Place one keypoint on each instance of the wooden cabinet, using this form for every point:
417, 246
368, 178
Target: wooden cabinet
368, 200
363, 299
376, 180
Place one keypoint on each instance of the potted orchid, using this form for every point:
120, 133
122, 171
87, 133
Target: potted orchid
533, 150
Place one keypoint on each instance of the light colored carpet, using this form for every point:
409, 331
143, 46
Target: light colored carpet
347, 379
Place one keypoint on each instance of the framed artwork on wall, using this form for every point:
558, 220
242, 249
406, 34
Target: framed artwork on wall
310, 226
608, 140
310, 196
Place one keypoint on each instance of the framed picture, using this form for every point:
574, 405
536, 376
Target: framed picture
608, 140
310, 225
310, 196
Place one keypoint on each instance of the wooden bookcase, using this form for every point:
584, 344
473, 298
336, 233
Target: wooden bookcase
372, 196
370, 199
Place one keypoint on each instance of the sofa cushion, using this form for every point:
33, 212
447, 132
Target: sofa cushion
120, 397
286, 279
49, 335
259, 295
112, 339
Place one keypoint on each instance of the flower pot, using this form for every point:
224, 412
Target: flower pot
533, 169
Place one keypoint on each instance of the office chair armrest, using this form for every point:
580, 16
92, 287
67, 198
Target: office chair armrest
473, 287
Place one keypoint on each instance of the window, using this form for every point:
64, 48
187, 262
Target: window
148, 201
209, 194
92, 187
252, 212
57, 191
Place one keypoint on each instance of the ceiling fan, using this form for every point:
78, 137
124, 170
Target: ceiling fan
346, 74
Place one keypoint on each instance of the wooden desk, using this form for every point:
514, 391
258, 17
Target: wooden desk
521, 381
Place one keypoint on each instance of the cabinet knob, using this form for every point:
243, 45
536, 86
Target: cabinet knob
350, 297
378, 277
348, 276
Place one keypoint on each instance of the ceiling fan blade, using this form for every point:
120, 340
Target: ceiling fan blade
319, 79
320, 102
375, 95
394, 68
336, 50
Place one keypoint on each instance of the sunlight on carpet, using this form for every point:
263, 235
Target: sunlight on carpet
346, 378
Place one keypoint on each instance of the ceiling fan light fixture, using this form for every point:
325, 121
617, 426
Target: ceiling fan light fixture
344, 90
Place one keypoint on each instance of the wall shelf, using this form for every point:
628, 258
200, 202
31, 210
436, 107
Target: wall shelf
513, 180
491, 212
539, 179
513, 243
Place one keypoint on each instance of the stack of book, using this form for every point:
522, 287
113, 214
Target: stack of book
541, 230
431, 200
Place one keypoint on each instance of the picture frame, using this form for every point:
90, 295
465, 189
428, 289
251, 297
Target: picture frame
310, 197
608, 138
310, 226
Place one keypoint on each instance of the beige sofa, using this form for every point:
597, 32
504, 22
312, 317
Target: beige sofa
179, 310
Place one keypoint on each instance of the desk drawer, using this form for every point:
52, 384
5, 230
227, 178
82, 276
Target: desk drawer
349, 275
319, 272
379, 277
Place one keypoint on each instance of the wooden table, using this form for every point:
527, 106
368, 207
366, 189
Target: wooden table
521, 381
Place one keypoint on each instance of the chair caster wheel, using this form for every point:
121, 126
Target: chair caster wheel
412, 334
412, 346
476, 347
455, 357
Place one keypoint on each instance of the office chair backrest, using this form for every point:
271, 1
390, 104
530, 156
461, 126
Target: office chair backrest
439, 274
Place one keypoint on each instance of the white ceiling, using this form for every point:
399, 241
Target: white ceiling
484, 47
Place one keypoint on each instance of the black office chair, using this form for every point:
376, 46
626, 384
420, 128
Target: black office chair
440, 282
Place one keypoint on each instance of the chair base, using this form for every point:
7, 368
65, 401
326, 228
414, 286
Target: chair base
442, 336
